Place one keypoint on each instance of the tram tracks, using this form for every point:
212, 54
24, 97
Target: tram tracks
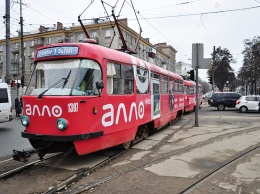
215, 171
23, 167
89, 186
85, 172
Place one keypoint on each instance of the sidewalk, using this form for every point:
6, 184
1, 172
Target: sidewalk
14, 114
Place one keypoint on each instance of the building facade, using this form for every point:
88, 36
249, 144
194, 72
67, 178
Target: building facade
160, 54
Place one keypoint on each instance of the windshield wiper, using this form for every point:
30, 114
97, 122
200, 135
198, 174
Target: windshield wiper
65, 80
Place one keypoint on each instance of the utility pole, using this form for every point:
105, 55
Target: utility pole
7, 24
213, 68
197, 89
22, 46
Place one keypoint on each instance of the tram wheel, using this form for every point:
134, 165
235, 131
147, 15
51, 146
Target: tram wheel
145, 132
126, 145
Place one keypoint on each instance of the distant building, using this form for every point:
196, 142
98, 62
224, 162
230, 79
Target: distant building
182, 68
160, 54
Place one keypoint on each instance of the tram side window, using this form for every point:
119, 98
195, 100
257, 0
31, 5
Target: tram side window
171, 86
200, 90
192, 90
186, 90
120, 79
176, 86
164, 85
142, 81
181, 89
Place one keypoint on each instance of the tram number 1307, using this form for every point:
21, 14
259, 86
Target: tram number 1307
73, 107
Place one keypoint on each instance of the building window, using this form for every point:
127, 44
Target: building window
1, 48
94, 34
59, 39
131, 40
1, 59
24, 44
81, 37
32, 55
32, 43
107, 33
48, 40
126, 37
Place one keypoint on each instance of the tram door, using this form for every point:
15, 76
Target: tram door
155, 97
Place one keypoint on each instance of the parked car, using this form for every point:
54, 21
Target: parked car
207, 95
223, 100
248, 103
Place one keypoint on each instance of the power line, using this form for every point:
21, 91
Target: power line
204, 13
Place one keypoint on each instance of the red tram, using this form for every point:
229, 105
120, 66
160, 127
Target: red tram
190, 95
92, 97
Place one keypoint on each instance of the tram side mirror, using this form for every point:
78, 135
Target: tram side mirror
100, 86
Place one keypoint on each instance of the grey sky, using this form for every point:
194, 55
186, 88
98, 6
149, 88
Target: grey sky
176, 22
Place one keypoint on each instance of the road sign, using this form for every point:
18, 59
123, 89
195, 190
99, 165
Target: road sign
197, 54
198, 60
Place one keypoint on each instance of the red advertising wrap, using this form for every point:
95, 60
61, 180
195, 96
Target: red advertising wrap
92, 97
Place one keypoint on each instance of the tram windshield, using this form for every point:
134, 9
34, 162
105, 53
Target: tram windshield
65, 77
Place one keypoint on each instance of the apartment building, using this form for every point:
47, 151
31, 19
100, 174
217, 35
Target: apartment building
160, 54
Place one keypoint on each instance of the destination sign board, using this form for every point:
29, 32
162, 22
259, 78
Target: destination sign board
58, 51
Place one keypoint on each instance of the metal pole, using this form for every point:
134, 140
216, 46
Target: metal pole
17, 61
22, 47
197, 90
212, 71
7, 24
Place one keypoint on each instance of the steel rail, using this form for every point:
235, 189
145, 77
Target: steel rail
7, 160
226, 164
21, 168
79, 175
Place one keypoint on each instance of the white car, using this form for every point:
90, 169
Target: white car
248, 103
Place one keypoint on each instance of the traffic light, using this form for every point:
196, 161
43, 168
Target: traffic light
191, 77
210, 79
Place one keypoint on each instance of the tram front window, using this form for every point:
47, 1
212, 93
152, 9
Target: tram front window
65, 77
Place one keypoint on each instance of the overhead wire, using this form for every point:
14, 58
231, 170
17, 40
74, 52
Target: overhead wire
162, 34
204, 13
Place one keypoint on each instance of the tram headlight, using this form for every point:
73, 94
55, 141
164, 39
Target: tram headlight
25, 121
61, 124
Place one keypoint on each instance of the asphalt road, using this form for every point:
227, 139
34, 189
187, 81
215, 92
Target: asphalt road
10, 138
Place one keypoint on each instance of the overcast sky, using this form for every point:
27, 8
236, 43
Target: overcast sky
225, 23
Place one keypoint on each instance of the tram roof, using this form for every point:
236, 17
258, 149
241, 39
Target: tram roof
91, 51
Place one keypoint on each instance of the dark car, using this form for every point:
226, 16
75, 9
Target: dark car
221, 100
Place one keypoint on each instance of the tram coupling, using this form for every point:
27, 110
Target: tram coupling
22, 156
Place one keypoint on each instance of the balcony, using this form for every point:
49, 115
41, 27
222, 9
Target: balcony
13, 61
14, 71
